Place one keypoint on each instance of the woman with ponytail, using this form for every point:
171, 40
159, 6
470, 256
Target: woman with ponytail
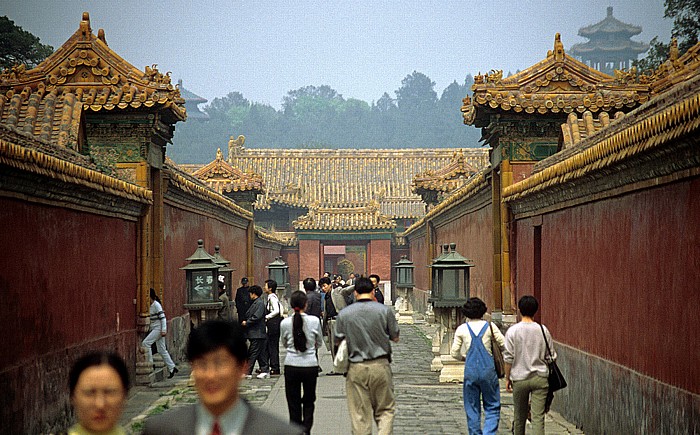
301, 335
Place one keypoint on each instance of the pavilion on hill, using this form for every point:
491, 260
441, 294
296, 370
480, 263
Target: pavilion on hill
609, 46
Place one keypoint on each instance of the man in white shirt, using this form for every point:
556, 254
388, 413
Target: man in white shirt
273, 318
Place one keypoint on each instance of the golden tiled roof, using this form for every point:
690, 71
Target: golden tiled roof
664, 118
185, 182
346, 177
222, 177
557, 84
283, 238
578, 128
447, 178
83, 74
345, 218
676, 69
477, 182
36, 161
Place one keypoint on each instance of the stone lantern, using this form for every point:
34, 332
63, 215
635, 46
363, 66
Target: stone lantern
450, 290
225, 272
202, 292
278, 270
404, 285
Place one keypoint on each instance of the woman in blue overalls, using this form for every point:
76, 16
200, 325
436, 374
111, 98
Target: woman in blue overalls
472, 344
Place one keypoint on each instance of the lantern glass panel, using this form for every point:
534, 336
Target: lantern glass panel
451, 281
201, 286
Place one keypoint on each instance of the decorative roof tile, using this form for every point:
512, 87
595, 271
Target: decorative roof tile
83, 70
445, 179
557, 84
345, 218
185, 182
666, 117
346, 178
283, 238
222, 177
676, 69
576, 129
35, 160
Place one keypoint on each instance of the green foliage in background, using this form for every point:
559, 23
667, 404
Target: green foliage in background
17, 46
317, 117
686, 29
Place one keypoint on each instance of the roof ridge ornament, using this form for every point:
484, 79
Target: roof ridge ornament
85, 29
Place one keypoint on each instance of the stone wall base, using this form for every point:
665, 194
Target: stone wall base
604, 397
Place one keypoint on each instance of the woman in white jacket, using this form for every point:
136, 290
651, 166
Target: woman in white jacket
159, 328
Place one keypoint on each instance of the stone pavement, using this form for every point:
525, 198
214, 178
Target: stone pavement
423, 404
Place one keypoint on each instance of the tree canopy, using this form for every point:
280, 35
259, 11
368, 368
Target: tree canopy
17, 46
686, 29
320, 117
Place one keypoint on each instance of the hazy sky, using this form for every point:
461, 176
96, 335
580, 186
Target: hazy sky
361, 49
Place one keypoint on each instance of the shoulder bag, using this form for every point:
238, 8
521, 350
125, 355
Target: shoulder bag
556, 379
497, 356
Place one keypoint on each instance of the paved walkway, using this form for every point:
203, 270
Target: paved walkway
423, 404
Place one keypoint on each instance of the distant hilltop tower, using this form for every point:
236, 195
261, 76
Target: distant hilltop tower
609, 46
192, 102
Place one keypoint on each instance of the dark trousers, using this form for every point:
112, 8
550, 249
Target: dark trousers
257, 351
301, 408
273, 342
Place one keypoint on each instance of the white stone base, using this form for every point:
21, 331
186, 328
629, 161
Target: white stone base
405, 318
452, 370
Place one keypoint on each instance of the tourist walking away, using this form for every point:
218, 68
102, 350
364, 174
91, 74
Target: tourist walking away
368, 328
378, 295
217, 353
301, 336
273, 318
159, 329
314, 298
242, 300
224, 312
472, 344
98, 383
256, 333
526, 366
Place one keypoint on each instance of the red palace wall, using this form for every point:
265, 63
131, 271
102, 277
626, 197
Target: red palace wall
77, 296
181, 232
626, 270
473, 235
263, 257
380, 259
291, 256
310, 258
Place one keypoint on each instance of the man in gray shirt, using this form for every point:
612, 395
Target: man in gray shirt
368, 327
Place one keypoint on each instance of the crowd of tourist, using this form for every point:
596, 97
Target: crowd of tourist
351, 319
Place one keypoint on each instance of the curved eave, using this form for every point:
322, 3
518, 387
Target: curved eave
635, 138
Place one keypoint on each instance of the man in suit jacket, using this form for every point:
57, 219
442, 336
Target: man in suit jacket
217, 353
256, 333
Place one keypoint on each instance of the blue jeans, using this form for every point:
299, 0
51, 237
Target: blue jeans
474, 391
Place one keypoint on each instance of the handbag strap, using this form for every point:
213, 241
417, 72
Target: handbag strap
491, 329
549, 352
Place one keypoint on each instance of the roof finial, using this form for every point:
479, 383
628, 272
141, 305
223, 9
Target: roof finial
85, 29
610, 11
558, 48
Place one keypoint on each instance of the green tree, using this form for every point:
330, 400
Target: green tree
686, 29
17, 46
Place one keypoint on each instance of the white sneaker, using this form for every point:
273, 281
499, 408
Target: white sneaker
264, 375
249, 376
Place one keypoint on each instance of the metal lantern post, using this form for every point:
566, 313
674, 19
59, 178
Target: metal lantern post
450, 290
278, 270
201, 276
404, 285
225, 272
